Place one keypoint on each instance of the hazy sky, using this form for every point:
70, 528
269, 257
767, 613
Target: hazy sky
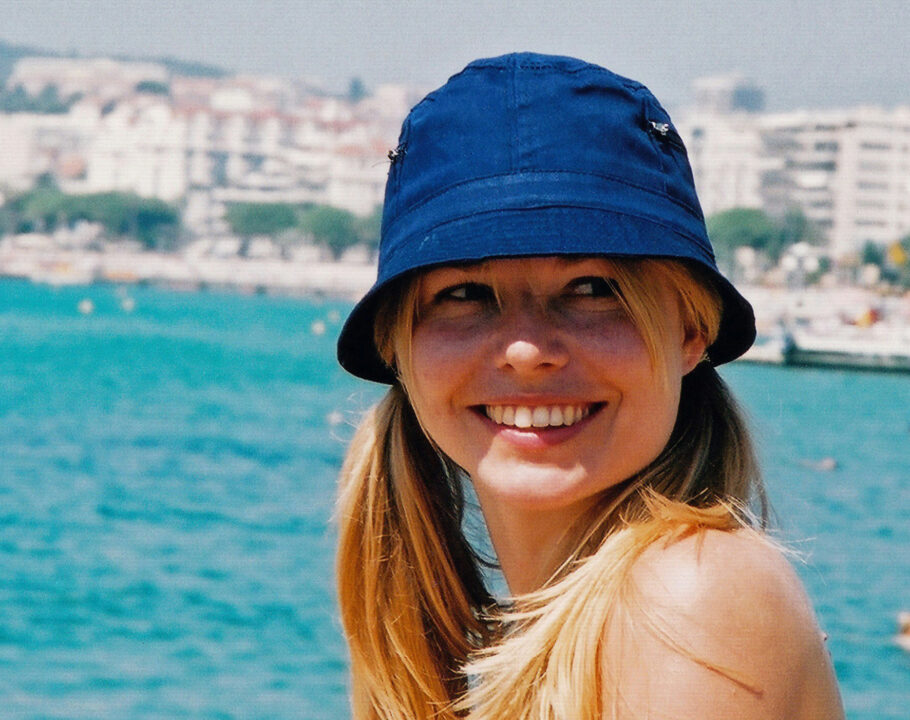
806, 53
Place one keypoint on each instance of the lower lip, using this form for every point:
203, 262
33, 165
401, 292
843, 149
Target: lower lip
532, 437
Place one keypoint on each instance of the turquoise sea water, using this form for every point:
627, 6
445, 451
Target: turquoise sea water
166, 483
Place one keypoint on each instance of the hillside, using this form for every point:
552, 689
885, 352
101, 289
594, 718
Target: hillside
10, 54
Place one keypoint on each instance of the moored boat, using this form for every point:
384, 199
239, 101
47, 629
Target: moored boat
881, 348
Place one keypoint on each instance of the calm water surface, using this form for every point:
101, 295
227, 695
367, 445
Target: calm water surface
166, 482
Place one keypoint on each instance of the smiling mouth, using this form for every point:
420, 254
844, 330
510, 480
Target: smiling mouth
540, 416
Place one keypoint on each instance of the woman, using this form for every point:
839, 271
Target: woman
548, 315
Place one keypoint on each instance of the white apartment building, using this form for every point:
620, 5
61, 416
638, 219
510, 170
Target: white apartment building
723, 138
139, 147
727, 158
872, 189
847, 170
209, 142
34, 144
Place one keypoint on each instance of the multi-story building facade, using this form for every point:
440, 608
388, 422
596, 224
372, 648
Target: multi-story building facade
724, 142
205, 143
872, 184
728, 162
847, 170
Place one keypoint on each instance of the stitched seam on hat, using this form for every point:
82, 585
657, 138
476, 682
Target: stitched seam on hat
614, 178
639, 216
672, 228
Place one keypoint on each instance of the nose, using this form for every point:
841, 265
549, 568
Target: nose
529, 341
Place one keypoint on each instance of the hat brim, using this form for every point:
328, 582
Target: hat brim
542, 231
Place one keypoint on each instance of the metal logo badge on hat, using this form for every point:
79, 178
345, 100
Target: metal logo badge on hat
531, 155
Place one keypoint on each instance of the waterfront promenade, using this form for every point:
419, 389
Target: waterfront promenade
186, 270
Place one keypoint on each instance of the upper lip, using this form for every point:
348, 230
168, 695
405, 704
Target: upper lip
536, 400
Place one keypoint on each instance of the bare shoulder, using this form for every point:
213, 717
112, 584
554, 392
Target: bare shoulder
718, 625
723, 572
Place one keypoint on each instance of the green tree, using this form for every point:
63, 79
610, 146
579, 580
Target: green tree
48, 101
7, 221
741, 227
897, 261
15, 100
157, 225
38, 210
872, 254
249, 219
153, 87
751, 227
153, 222
369, 228
795, 227
331, 227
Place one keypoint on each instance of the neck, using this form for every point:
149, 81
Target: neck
530, 545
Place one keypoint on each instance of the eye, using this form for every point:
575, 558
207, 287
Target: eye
594, 287
465, 292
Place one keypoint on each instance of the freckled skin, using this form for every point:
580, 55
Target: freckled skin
539, 331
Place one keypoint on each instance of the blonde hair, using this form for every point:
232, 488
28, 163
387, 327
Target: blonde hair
418, 619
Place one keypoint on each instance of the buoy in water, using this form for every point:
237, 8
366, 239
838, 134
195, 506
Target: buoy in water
903, 630
825, 464
128, 304
86, 306
317, 327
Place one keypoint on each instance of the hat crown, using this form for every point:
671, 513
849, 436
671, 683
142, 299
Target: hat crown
525, 113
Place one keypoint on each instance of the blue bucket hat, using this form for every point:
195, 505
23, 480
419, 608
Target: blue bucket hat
533, 155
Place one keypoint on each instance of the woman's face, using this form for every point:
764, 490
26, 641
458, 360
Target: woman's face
530, 374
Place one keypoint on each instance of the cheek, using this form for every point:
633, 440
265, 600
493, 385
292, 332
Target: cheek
665, 408
647, 394
438, 364
433, 358
653, 416
618, 349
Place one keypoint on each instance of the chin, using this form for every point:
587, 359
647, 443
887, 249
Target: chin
529, 487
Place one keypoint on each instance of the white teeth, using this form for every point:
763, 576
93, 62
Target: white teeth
540, 417
523, 416
556, 417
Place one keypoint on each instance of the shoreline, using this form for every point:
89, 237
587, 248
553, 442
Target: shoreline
845, 327
342, 279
